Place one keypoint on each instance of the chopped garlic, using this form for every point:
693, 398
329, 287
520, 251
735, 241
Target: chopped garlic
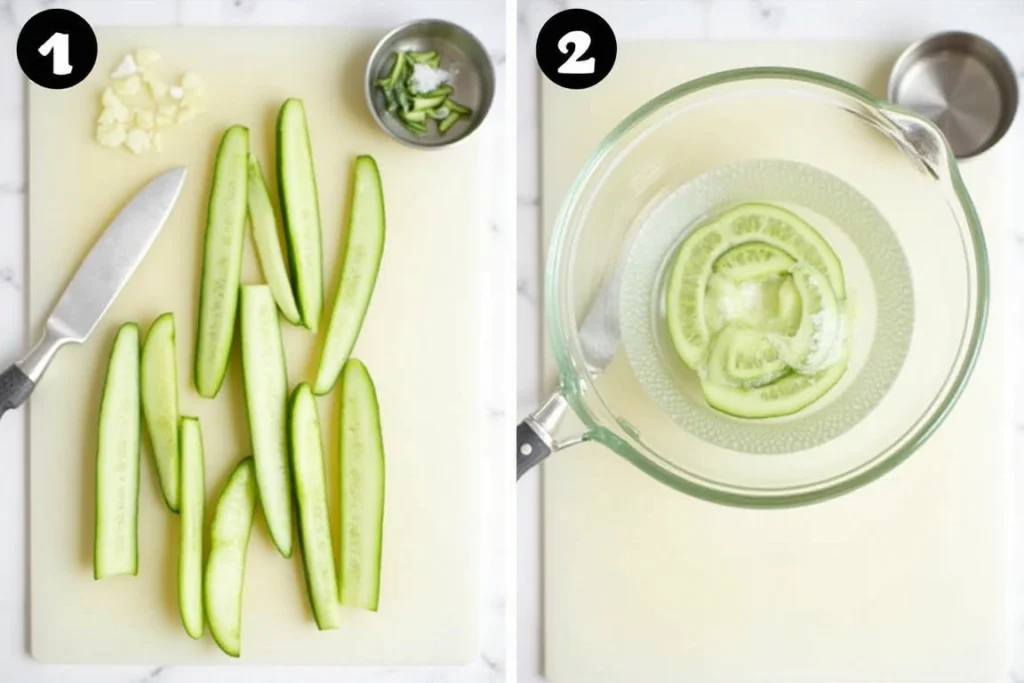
127, 86
157, 87
129, 118
110, 135
113, 108
187, 114
126, 68
138, 141
144, 119
146, 56
194, 83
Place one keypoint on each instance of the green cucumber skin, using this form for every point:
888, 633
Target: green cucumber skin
222, 261
268, 244
159, 357
224, 577
743, 403
362, 472
265, 381
302, 223
120, 433
359, 270
314, 519
193, 504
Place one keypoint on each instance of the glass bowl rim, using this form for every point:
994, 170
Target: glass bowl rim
561, 338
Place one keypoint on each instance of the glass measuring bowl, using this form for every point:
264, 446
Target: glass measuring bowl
919, 286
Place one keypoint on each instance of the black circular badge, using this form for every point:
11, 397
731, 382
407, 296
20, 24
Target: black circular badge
576, 49
57, 49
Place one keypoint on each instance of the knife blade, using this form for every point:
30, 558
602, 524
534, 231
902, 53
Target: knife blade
95, 285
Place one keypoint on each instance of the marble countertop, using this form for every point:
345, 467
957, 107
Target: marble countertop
486, 19
1002, 21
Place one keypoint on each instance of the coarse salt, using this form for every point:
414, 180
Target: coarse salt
426, 78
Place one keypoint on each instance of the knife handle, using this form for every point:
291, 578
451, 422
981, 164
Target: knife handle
15, 386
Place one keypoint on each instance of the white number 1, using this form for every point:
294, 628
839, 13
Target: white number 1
58, 46
580, 41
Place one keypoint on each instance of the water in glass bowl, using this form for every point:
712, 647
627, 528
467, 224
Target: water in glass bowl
879, 298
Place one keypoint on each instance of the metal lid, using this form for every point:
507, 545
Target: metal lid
963, 83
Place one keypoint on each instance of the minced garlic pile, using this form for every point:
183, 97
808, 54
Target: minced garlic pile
139, 106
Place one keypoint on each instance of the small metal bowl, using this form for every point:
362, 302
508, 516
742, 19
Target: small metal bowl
963, 83
462, 54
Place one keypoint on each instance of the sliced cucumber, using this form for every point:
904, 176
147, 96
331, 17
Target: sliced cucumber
784, 230
222, 262
300, 207
314, 521
753, 260
448, 122
159, 386
363, 251
266, 401
361, 469
268, 243
694, 265
785, 396
224, 579
190, 551
811, 346
116, 542
745, 358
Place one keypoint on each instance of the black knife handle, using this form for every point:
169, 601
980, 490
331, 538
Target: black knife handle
15, 387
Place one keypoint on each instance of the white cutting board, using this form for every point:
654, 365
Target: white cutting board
420, 342
903, 580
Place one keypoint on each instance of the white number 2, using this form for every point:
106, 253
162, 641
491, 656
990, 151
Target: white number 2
580, 40
58, 46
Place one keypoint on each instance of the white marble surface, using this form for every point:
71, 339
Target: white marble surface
1002, 21
483, 17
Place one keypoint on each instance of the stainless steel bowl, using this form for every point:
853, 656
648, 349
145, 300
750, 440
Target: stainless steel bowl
462, 54
963, 83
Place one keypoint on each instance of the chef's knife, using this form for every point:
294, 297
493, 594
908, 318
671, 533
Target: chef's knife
100, 277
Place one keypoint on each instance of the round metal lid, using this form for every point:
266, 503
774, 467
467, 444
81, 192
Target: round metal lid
963, 83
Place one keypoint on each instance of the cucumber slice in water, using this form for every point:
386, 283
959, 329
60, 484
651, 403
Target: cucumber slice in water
268, 243
821, 320
116, 543
699, 252
745, 358
266, 401
190, 551
224, 580
752, 261
222, 262
363, 250
314, 520
300, 206
159, 384
362, 489
790, 394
